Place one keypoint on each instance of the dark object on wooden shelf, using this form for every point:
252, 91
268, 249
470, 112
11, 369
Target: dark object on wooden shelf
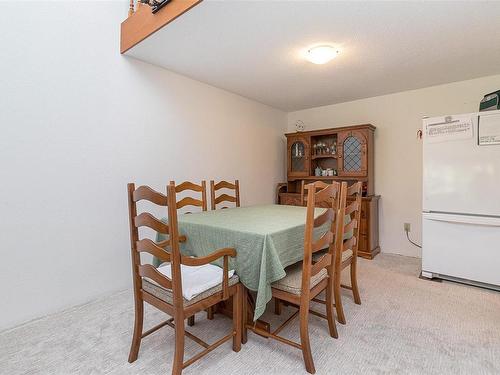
352, 156
155, 5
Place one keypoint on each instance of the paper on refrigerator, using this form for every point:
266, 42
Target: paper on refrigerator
489, 130
450, 128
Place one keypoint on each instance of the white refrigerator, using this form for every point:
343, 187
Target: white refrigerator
461, 198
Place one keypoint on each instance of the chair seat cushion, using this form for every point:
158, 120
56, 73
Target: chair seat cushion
292, 282
350, 234
345, 255
197, 283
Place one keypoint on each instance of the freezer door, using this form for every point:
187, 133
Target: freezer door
467, 247
459, 175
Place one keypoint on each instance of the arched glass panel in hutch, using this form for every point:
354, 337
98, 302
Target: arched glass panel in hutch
352, 155
298, 157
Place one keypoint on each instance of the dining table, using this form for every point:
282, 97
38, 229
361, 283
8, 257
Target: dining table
267, 239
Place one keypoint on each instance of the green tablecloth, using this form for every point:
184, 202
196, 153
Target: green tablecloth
266, 238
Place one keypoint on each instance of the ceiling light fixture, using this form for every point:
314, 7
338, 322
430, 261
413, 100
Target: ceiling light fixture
321, 54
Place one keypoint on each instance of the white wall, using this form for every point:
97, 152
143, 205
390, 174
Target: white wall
398, 153
78, 121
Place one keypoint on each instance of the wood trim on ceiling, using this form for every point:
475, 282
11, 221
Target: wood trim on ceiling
144, 23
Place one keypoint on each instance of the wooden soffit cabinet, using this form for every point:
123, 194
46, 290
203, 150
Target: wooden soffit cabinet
143, 22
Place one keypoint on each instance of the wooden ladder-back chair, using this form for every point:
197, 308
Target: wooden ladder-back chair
319, 185
225, 197
153, 287
305, 280
347, 245
190, 201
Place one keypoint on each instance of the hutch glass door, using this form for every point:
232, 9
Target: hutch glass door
353, 155
298, 158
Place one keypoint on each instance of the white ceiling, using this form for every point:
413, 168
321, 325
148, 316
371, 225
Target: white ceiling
254, 48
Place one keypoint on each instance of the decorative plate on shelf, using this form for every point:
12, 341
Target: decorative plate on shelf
299, 126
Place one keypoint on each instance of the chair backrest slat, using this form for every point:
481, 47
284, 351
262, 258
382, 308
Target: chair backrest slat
146, 193
188, 185
150, 272
354, 189
319, 185
354, 206
145, 219
214, 187
191, 201
325, 193
351, 226
328, 215
225, 198
225, 185
323, 262
148, 246
323, 242
349, 244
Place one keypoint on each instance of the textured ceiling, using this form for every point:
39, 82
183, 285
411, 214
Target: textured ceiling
254, 48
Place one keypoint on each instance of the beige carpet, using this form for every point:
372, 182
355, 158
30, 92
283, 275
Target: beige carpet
404, 326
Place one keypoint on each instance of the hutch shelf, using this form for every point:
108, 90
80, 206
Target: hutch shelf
336, 154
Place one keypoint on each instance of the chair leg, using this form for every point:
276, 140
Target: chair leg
277, 306
138, 324
191, 321
210, 313
244, 313
179, 346
332, 326
304, 339
354, 281
338, 298
237, 318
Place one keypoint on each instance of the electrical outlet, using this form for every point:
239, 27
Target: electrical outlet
407, 227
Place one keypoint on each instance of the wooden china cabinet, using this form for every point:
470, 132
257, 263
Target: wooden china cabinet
336, 154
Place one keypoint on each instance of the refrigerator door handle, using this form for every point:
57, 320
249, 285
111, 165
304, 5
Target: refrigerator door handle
463, 219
